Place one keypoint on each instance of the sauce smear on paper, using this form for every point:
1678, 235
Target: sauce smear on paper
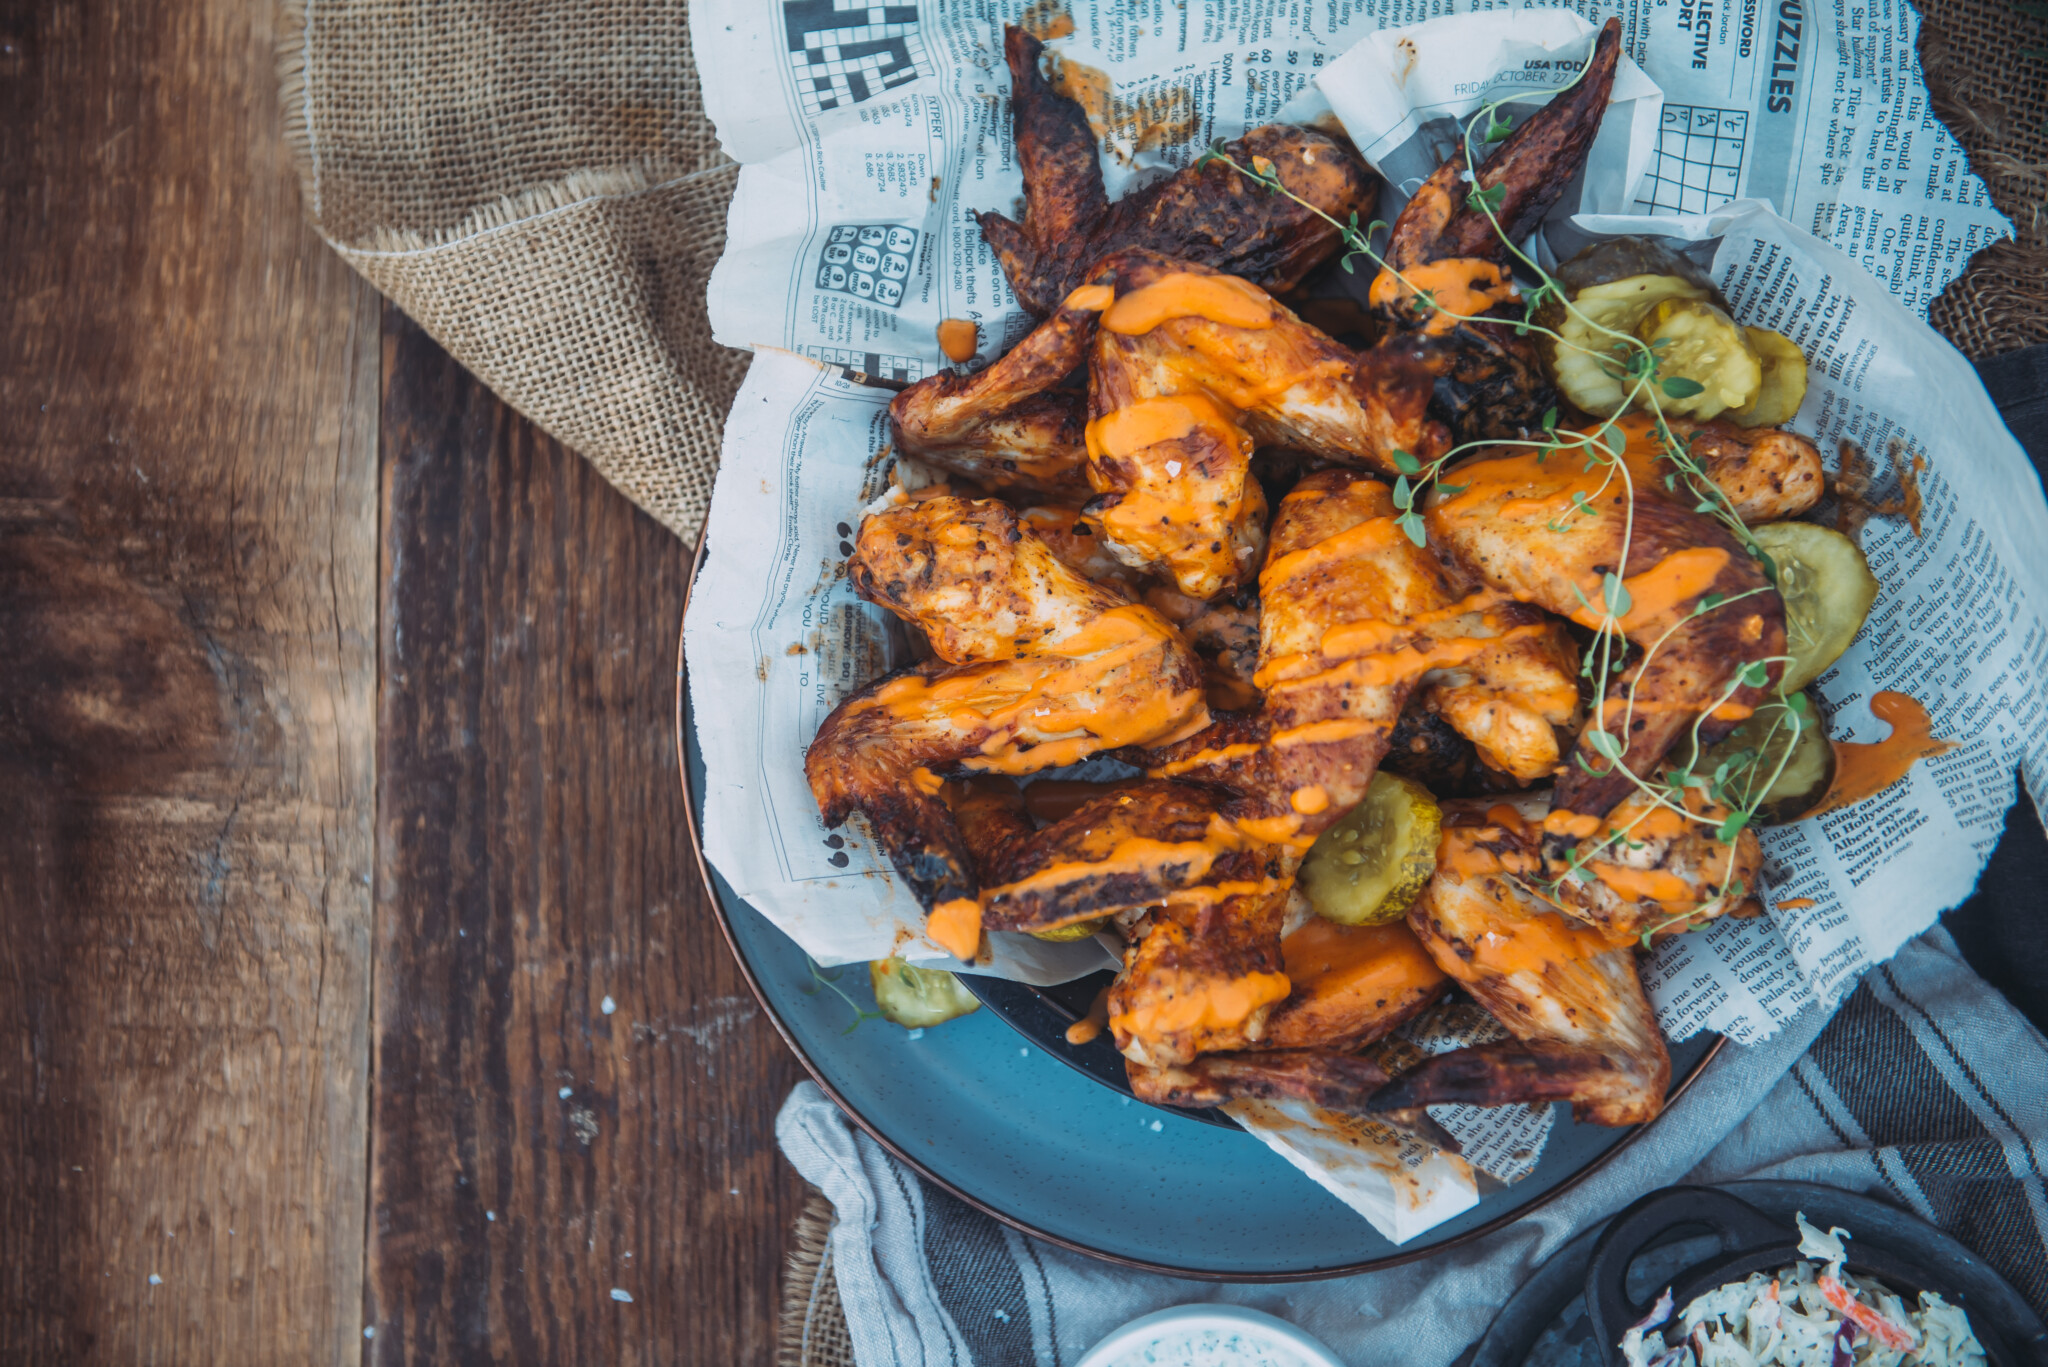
958, 339
1863, 771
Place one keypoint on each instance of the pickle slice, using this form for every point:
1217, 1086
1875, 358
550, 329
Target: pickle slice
1079, 930
1590, 365
915, 997
1781, 755
1784, 388
1828, 589
1698, 342
1368, 868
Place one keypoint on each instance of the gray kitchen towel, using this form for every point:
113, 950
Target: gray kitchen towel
1926, 1089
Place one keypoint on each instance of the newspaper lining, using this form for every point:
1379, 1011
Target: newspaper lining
775, 637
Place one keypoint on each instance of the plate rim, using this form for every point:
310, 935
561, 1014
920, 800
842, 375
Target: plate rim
1018, 1223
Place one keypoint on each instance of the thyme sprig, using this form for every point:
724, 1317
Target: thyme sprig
1728, 798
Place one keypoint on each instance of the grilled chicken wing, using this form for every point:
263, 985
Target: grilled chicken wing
1334, 1081
1490, 383
1767, 474
1583, 1030
1204, 213
1009, 426
1201, 975
1190, 371
1225, 634
1648, 870
1038, 667
1132, 847
1350, 985
1520, 522
1069, 534
1353, 617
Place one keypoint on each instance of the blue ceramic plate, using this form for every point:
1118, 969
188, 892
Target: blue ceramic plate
994, 1116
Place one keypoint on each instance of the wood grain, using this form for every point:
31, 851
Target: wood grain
187, 543
532, 1152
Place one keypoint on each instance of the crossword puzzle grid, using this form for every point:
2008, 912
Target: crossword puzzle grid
844, 52
1699, 159
879, 365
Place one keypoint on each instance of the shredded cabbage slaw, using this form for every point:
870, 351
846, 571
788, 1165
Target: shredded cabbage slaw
1804, 1316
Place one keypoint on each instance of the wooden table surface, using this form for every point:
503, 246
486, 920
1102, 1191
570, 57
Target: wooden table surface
354, 971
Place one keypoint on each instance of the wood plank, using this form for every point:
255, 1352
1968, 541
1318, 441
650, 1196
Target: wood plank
530, 1151
187, 544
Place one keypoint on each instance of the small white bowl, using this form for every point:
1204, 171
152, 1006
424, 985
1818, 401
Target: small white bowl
1200, 1335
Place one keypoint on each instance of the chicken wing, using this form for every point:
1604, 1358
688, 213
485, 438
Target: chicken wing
1353, 617
1009, 426
1133, 847
1646, 870
1767, 474
1201, 975
1547, 528
1350, 985
1046, 669
1583, 1029
1344, 1083
1446, 258
1205, 213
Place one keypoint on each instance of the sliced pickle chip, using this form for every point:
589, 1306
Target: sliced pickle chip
1703, 349
915, 997
1368, 868
1079, 930
1780, 755
1784, 388
1590, 365
1828, 589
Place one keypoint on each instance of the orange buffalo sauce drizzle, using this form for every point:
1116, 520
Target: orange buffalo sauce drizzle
1057, 692
957, 338
955, 927
1469, 851
1203, 758
1631, 823
1327, 960
1171, 417
1135, 854
1090, 1025
1528, 946
1090, 298
1394, 666
1223, 299
1356, 638
1536, 486
1863, 771
1467, 285
1373, 534
1207, 1006
1659, 591
1795, 904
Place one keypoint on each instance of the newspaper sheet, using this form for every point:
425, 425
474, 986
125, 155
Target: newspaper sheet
775, 638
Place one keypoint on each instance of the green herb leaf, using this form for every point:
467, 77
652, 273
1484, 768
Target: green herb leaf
1447, 490
1708, 602
1411, 523
1678, 387
1604, 743
1550, 418
1498, 127
1755, 674
1616, 594
1732, 827
1406, 463
1404, 493
1489, 199
1797, 702
1348, 270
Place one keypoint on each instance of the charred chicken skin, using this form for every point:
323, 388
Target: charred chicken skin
1206, 214
1009, 426
1037, 667
1447, 258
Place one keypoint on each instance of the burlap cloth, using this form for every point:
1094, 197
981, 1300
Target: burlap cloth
534, 182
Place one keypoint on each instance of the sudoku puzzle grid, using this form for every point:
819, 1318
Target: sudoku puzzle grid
843, 52
1699, 159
